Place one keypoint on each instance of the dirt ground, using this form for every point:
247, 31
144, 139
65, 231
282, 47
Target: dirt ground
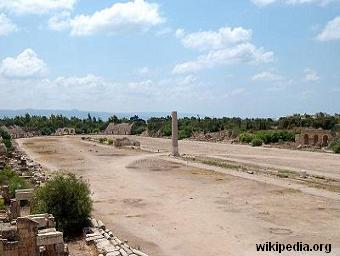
170, 208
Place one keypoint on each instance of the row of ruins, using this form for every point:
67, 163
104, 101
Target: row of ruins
306, 137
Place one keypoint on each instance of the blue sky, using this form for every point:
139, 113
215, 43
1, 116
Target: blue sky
252, 58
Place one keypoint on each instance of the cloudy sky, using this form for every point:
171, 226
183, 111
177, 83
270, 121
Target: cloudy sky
235, 58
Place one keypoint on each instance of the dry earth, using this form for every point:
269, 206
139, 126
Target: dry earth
169, 208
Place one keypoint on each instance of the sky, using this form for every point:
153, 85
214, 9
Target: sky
249, 58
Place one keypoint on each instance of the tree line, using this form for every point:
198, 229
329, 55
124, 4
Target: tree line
162, 126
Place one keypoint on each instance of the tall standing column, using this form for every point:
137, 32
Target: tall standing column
174, 134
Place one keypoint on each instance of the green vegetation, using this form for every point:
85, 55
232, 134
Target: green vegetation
335, 145
246, 137
7, 140
256, 142
68, 199
110, 141
2, 204
268, 137
187, 126
102, 140
13, 180
319, 120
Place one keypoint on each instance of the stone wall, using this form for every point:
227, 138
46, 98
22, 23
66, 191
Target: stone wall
315, 137
65, 131
118, 129
31, 238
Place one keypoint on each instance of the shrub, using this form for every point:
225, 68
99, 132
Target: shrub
68, 199
7, 139
335, 146
110, 141
102, 140
256, 142
13, 180
8, 144
246, 137
185, 133
2, 204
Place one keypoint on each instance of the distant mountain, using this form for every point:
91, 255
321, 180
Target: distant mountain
83, 114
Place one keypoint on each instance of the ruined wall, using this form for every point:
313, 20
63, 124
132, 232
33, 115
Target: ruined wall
119, 129
65, 131
27, 233
9, 248
315, 137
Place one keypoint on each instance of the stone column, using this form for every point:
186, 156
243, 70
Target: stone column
174, 134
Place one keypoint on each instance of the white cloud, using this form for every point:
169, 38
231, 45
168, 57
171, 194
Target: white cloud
143, 71
136, 14
331, 31
60, 21
26, 65
293, 2
89, 81
179, 32
6, 25
224, 46
224, 37
311, 75
263, 2
35, 6
267, 76
242, 53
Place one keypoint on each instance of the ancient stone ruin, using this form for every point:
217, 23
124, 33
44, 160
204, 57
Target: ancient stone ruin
126, 142
315, 137
118, 129
33, 235
174, 138
22, 234
65, 131
106, 243
17, 132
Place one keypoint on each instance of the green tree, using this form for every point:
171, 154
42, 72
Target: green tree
68, 199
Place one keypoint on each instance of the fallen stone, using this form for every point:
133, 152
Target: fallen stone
101, 224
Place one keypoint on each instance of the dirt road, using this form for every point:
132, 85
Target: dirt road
170, 209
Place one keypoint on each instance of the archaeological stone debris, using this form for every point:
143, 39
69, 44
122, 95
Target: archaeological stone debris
32, 235
22, 234
17, 132
106, 243
118, 129
65, 131
126, 142
315, 137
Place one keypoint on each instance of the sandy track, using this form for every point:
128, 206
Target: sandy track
325, 164
171, 209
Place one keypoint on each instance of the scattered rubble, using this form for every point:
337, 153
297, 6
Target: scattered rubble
106, 243
117, 142
126, 142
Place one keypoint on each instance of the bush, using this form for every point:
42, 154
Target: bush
13, 180
246, 137
7, 139
110, 141
185, 133
68, 199
335, 146
2, 204
256, 142
102, 140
